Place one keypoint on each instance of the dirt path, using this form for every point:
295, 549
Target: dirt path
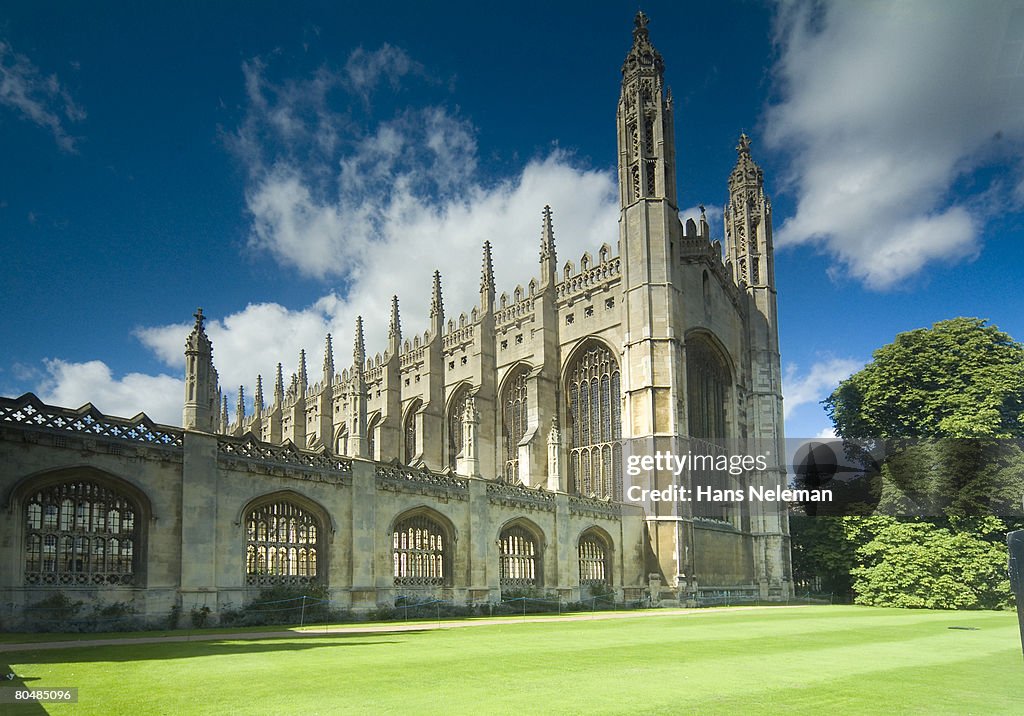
376, 628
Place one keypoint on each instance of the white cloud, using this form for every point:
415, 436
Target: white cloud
380, 207
75, 384
816, 384
884, 107
40, 98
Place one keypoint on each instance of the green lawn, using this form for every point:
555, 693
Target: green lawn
836, 660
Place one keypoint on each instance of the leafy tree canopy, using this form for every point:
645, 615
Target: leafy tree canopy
960, 378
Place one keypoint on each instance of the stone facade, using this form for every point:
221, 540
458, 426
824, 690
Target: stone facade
483, 454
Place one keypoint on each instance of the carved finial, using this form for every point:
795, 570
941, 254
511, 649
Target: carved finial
436, 302
395, 329
224, 414
199, 318
279, 387
240, 408
641, 20
328, 361
743, 148
642, 57
547, 237
703, 213
257, 401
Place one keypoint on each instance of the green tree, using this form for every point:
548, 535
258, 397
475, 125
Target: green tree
948, 404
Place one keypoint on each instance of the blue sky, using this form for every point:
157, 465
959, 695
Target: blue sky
288, 169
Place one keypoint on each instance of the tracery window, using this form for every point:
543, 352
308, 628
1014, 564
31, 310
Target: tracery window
81, 533
595, 432
593, 555
519, 558
283, 545
456, 411
371, 437
514, 421
419, 552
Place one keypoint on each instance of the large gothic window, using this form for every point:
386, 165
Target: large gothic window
519, 558
456, 411
81, 533
419, 552
514, 421
371, 437
283, 545
593, 556
410, 439
707, 380
595, 430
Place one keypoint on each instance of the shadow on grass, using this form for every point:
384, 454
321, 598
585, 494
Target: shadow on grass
20, 682
163, 650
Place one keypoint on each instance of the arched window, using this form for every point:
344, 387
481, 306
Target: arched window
409, 434
283, 545
419, 552
371, 437
456, 411
593, 555
707, 381
513, 421
81, 533
595, 430
519, 558
341, 444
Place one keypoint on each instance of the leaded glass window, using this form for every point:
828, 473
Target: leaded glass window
283, 545
81, 533
419, 552
707, 380
519, 558
595, 433
593, 555
514, 422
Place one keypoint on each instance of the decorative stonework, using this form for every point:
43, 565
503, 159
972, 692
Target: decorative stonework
31, 413
249, 448
594, 507
520, 497
406, 479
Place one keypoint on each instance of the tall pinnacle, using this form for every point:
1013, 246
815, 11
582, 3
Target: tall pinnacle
328, 361
197, 339
279, 387
547, 236
257, 401
487, 280
395, 327
436, 303
240, 408
359, 348
303, 382
746, 173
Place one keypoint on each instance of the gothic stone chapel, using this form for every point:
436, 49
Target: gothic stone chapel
481, 456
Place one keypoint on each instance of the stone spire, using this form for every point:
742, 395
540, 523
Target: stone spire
224, 415
487, 281
436, 306
279, 387
201, 388
359, 348
240, 407
547, 250
395, 327
328, 362
303, 381
257, 401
